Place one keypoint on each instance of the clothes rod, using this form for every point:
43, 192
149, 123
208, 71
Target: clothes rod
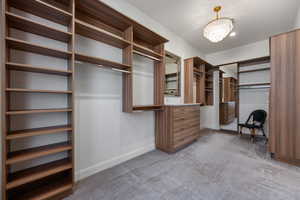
145, 55
104, 67
248, 88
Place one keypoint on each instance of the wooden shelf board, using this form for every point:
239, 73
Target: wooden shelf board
95, 33
37, 91
254, 84
37, 131
30, 68
100, 61
119, 21
47, 191
32, 153
28, 25
146, 51
30, 47
198, 70
36, 111
35, 173
43, 9
147, 107
255, 70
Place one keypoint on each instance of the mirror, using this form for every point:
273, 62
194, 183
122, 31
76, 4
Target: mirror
228, 104
172, 74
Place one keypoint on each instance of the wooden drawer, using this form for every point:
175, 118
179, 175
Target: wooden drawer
182, 127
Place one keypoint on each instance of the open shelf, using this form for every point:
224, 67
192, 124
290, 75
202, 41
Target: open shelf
31, 68
95, 33
100, 61
45, 191
35, 173
36, 152
254, 70
37, 131
144, 51
37, 91
147, 108
43, 9
28, 25
37, 111
30, 47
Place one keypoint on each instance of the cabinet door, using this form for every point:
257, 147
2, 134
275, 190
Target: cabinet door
285, 96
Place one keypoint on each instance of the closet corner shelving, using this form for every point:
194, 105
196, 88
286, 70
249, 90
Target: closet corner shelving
100, 22
198, 81
91, 19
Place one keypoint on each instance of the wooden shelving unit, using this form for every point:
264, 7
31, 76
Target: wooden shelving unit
37, 91
13, 43
147, 108
30, 68
100, 61
198, 72
47, 180
44, 10
37, 131
28, 25
95, 33
91, 19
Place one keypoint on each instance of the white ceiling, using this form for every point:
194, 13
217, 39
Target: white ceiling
254, 19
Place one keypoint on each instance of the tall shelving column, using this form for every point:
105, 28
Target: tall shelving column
53, 178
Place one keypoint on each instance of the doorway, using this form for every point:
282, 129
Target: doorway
229, 97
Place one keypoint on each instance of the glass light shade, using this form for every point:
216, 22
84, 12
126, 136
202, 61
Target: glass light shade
217, 30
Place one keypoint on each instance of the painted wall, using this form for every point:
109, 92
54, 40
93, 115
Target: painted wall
297, 20
253, 50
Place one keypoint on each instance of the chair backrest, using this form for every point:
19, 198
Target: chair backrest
258, 116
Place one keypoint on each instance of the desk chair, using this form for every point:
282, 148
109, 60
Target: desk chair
256, 120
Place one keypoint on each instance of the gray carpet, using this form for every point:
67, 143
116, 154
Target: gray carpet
216, 167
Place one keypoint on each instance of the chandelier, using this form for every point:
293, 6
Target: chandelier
219, 28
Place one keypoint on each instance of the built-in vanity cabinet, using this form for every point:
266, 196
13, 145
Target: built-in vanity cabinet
180, 126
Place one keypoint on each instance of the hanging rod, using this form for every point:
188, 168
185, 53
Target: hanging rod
249, 88
105, 67
145, 55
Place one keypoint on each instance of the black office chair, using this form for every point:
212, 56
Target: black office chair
256, 120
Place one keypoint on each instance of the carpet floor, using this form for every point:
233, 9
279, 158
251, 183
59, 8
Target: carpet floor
216, 167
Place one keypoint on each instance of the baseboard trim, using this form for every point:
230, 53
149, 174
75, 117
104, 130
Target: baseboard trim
84, 173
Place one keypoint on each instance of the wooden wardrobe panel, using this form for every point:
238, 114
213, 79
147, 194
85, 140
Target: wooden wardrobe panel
285, 97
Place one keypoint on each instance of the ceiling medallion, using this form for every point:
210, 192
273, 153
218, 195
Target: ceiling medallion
219, 28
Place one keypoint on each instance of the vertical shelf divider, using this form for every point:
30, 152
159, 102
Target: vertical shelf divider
127, 77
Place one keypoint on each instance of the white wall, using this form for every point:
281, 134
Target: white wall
253, 50
297, 20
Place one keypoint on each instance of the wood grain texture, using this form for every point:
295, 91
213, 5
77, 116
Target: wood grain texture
43, 10
28, 25
188, 80
36, 69
178, 127
38, 49
285, 97
127, 90
36, 152
35, 173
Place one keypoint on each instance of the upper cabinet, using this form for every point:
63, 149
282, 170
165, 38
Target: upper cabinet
198, 81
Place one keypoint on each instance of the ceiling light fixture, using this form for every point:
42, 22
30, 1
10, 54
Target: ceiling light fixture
232, 34
219, 28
